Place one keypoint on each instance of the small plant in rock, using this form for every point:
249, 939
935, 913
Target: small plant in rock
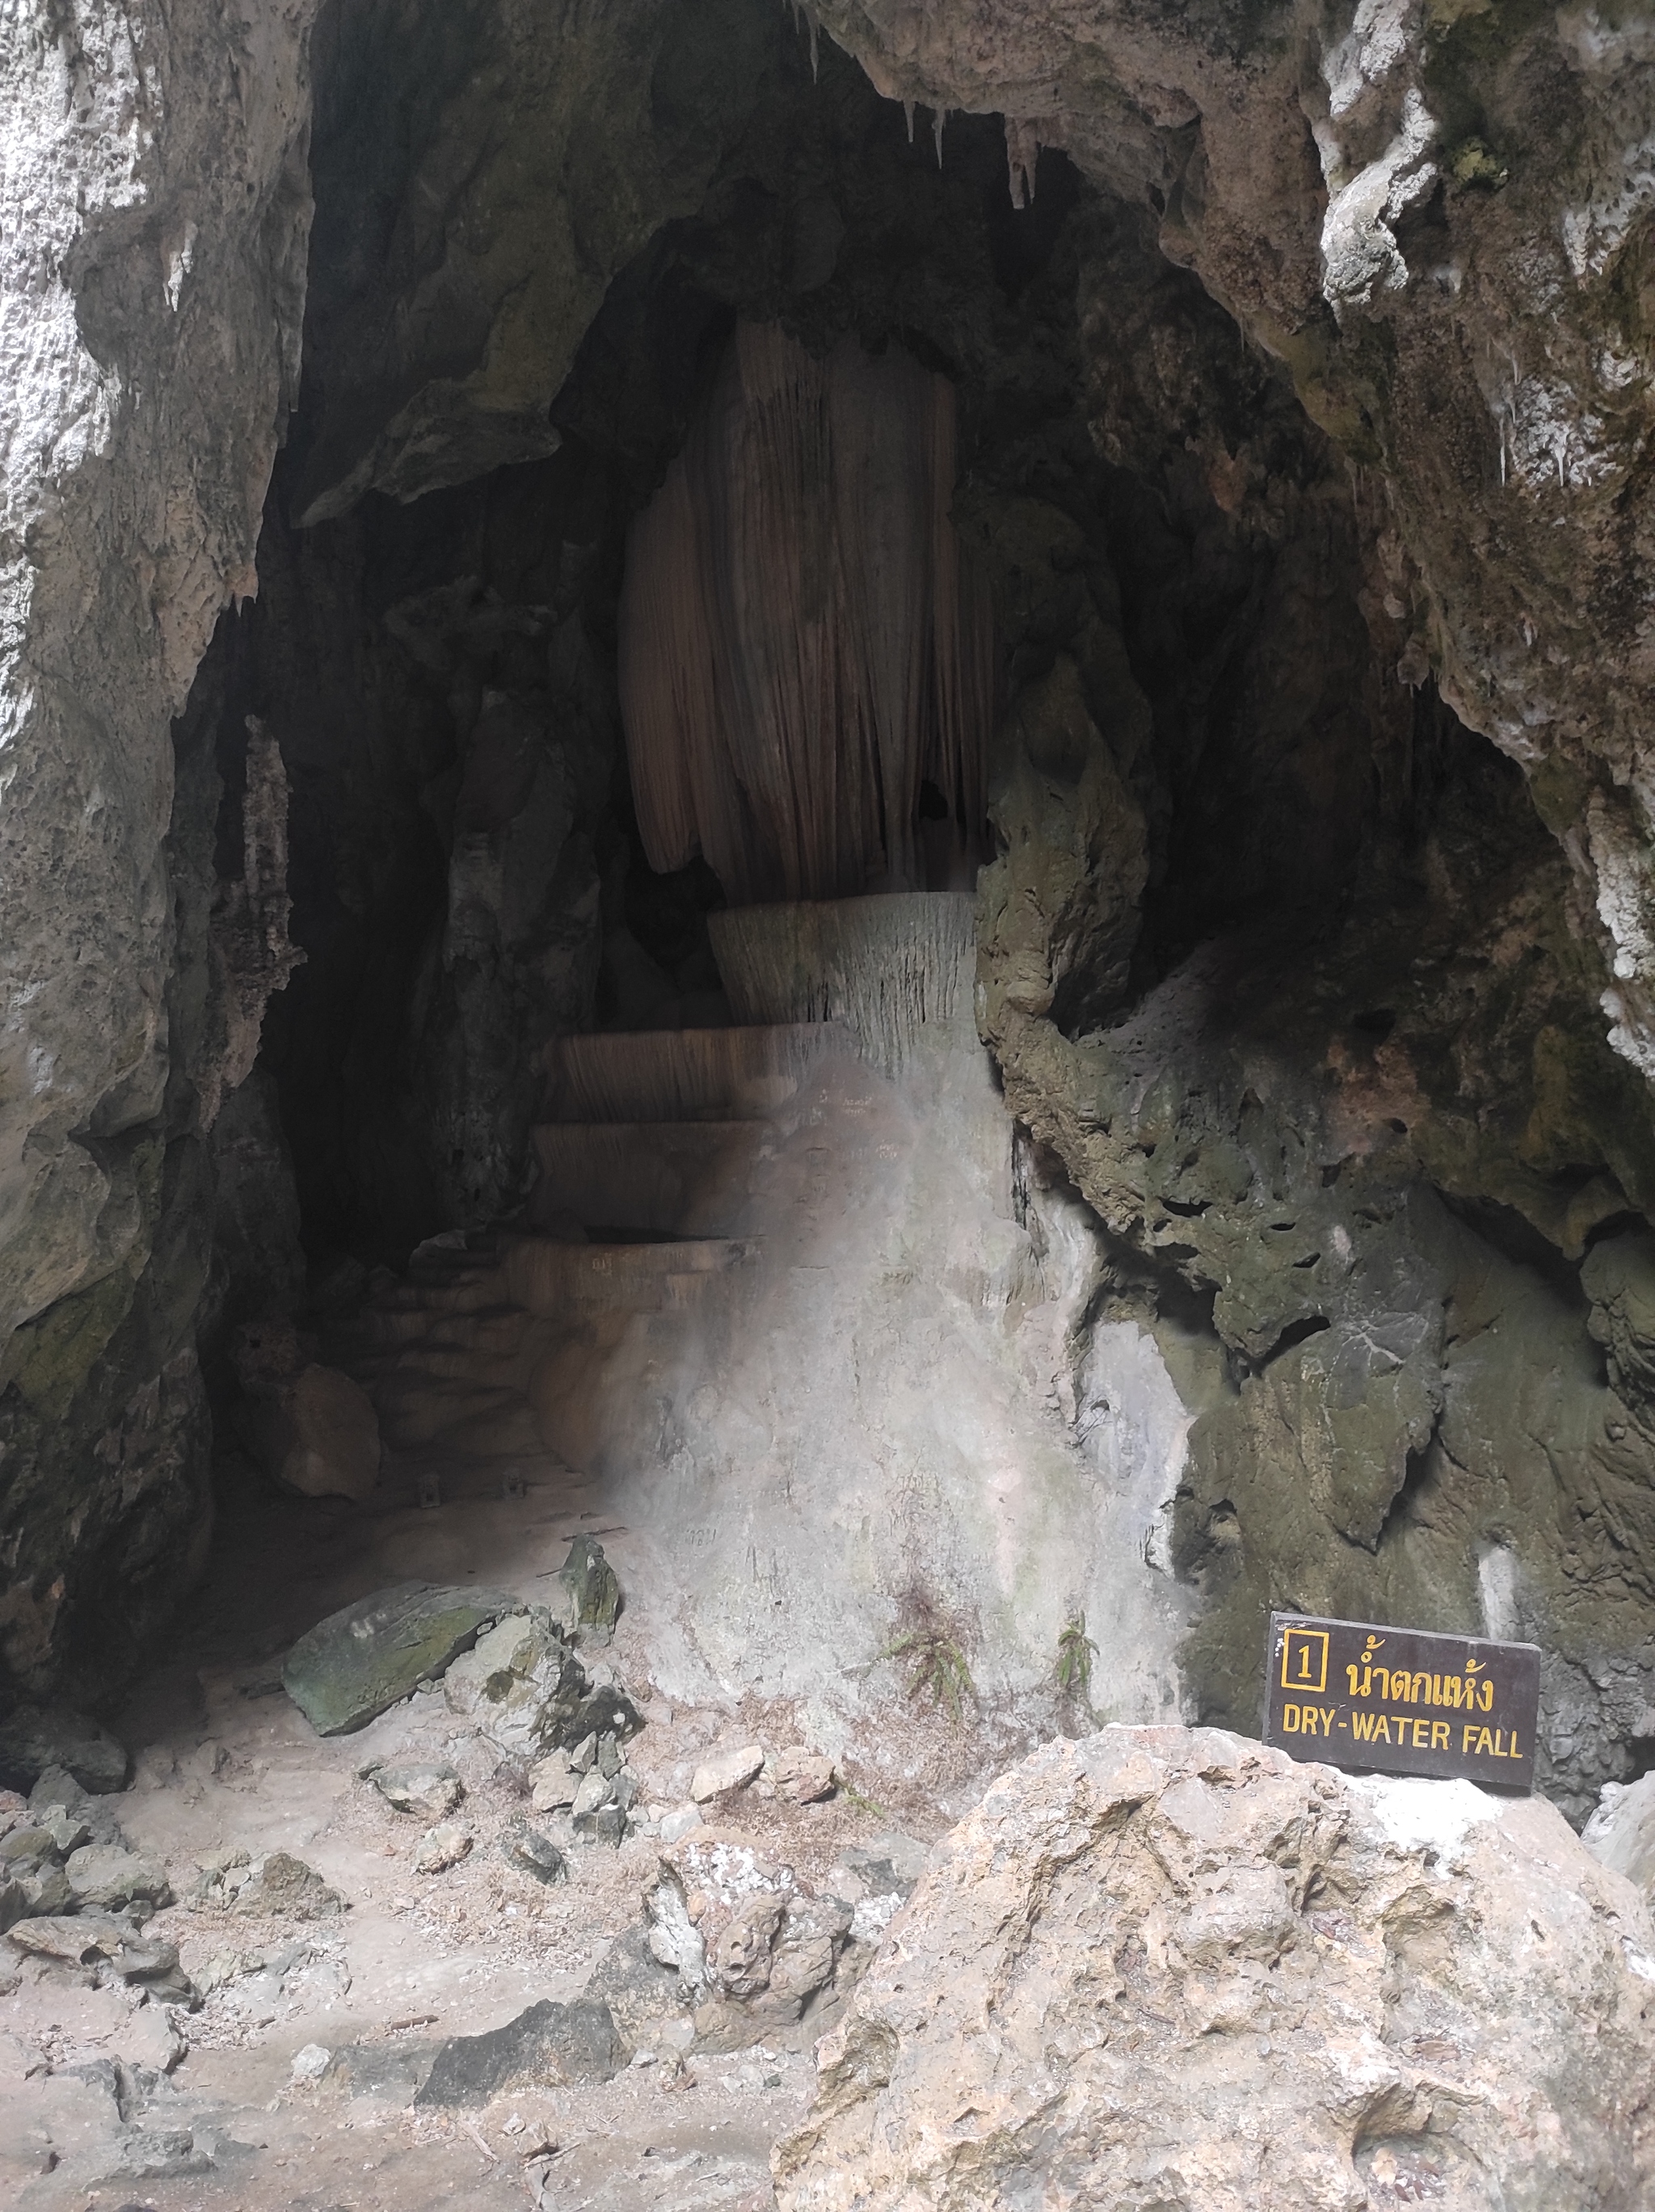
1075, 1652
936, 1667
852, 1796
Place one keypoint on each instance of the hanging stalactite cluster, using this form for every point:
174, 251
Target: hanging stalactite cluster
803, 648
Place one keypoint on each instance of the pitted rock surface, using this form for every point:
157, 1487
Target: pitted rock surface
1169, 1967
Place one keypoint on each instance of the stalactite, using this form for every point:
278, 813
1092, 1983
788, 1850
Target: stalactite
967, 668
801, 643
1023, 159
881, 966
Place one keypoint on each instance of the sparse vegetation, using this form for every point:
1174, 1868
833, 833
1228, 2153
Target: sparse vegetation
1075, 1652
852, 1796
936, 1668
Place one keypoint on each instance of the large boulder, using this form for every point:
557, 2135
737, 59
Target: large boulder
320, 1436
365, 1658
1621, 1832
309, 1427
1169, 1968
549, 2042
37, 1740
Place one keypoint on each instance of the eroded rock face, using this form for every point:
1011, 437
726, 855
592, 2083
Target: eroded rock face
450, 291
1621, 1832
1438, 220
1174, 1966
751, 1949
155, 215
1371, 1290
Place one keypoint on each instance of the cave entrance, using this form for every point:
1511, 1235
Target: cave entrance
642, 746
894, 560
805, 892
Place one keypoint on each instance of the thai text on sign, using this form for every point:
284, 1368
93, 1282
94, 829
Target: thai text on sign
1357, 1693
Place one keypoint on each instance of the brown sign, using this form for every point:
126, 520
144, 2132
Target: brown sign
1351, 1693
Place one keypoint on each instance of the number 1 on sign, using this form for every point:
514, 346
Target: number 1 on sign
1304, 1659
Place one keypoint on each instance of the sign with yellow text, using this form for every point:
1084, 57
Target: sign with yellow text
1352, 1693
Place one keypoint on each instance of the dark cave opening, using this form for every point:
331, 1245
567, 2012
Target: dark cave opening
1154, 509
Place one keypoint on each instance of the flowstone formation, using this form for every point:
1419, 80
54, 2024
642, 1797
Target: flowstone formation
1169, 1967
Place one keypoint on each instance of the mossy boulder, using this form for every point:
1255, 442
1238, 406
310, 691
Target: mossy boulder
367, 1658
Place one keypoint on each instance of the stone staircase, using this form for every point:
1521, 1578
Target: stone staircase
645, 1204
666, 1159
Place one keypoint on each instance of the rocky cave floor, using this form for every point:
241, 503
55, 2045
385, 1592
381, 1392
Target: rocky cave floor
110, 2097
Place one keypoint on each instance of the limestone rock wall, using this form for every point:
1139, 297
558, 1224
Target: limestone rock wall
1284, 966
483, 170
155, 205
1438, 219
449, 734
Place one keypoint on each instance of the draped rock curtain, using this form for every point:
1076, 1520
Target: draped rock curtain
802, 645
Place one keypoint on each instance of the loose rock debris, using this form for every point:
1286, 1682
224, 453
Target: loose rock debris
306, 1962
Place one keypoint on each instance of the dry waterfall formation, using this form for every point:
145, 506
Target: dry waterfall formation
827, 882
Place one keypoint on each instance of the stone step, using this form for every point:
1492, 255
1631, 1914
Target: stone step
458, 1362
416, 1406
553, 1279
688, 1179
685, 1075
511, 1433
486, 1331
382, 1329
432, 1476
465, 1293
428, 1413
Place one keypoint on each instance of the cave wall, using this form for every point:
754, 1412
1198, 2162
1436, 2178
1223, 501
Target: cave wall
153, 213
448, 732
1285, 967
1437, 217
